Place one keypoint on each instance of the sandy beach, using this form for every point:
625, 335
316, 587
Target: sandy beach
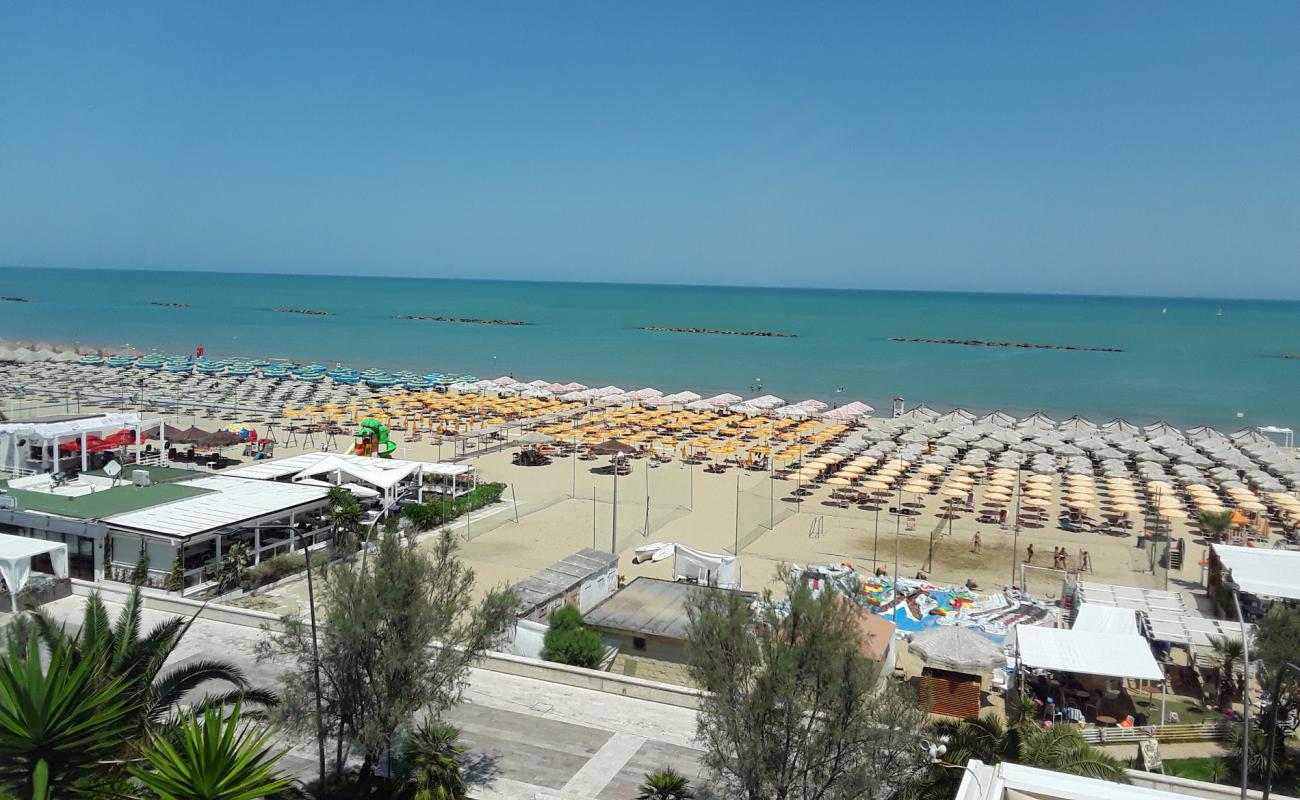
553, 510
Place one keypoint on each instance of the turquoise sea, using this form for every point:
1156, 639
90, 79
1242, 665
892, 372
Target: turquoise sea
1183, 361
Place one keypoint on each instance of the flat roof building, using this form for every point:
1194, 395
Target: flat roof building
583, 579
648, 617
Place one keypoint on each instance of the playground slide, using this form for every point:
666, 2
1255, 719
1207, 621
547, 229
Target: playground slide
373, 440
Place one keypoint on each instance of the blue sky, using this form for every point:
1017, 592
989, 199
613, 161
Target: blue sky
1090, 147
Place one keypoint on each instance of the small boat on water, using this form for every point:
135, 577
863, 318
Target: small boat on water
89, 360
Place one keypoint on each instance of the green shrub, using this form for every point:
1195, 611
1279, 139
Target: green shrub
569, 641
439, 510
273, 569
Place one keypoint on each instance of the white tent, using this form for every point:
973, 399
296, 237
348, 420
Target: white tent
16, 553
709, 569
1268, 573
1106, 654
1106, 619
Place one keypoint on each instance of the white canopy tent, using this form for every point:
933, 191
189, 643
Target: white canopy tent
708, 569
1106, 619
16, 554
1267, 573
1109, 655
17, 435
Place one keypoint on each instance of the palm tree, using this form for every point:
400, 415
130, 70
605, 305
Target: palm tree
212, 759
1215, 523
1022, 741
345, 518
119, 650
1227, 651
56, 724
665, 784
431, 763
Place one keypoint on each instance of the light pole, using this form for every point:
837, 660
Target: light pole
1272, 723
315, 657
898, 532
365, 546
1235, 588
1015, 540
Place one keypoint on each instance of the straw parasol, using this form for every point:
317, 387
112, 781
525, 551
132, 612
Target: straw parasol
958, 649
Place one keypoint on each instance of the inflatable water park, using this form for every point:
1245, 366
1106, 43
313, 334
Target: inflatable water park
915, 604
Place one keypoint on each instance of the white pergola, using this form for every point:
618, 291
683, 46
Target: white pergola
16, 554
17, 435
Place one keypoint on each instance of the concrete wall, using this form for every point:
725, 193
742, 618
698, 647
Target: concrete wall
496, 662
656, 647
592, 679
155, 600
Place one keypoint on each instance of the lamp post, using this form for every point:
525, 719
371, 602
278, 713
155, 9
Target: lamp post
315, 657
1235, 588
365, 546
1015, 540
1272, 723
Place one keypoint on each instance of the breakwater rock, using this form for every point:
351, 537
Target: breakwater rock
311, 312
172, 305
717, 332
1014, 345
468, 320
15, 299
1291, 356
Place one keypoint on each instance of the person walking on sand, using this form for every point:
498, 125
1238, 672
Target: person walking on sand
1085, 563
975, 543
1029, 553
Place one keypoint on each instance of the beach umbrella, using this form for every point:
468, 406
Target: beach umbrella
1079, 505
838, 482
612, 446
535, 437
954, 493
957, 649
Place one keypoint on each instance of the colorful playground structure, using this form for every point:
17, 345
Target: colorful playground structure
372, 440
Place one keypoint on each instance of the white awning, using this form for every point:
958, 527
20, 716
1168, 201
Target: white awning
1269, 573
71, 427
230, 501
1105, 654
16, 554
1106, 619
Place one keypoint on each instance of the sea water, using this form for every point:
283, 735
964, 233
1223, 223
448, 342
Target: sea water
1186, 361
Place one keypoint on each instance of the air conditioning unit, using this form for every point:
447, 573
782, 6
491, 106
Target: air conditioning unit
141, 477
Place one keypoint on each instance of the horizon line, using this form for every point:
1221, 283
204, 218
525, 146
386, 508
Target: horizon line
652, 284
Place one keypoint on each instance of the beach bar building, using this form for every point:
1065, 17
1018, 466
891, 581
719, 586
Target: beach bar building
162, 517
68, 442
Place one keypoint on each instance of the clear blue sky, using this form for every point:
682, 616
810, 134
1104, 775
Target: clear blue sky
1094, 147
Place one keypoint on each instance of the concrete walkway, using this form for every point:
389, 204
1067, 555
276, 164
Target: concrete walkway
525, 738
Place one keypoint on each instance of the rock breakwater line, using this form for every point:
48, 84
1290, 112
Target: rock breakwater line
467, 320
1014, 345
161, 304
15, 299
718, 332
311, 312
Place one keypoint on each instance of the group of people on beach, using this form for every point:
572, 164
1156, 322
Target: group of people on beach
1060, 555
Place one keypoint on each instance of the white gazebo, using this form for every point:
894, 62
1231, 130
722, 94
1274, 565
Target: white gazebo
16, 554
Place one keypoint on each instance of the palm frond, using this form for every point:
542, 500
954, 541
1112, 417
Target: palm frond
170, 689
